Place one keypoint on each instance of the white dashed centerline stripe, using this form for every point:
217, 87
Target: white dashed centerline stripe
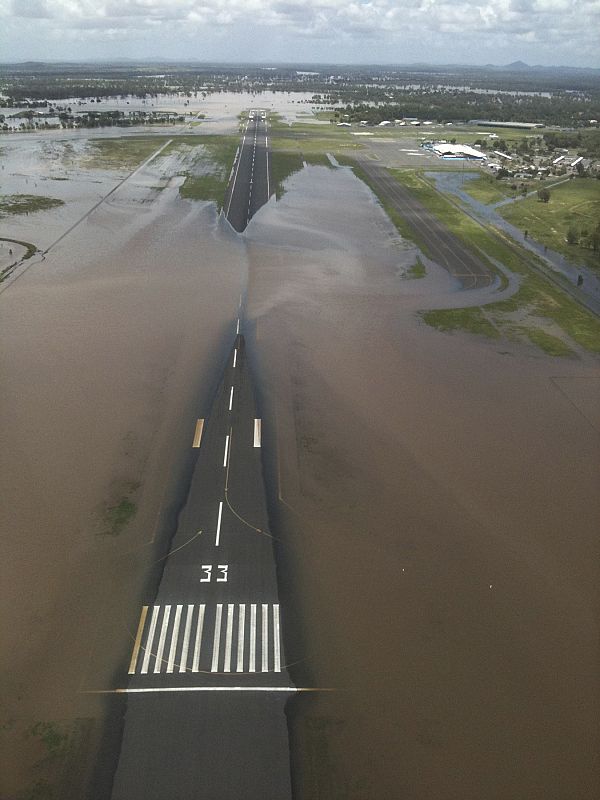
217, 638
174, 637
161, 640
234, 358
231, 399
198, 642
241, 623
218, 536
276, 640
252, 661
226, 450
138, 641
257, 432
186, 639
237, 330
150, 640
228, 638
265, 637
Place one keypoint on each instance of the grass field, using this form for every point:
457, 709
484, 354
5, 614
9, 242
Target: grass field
26, 203
210, 162
487, 189
124, 153
542, 303
574, 204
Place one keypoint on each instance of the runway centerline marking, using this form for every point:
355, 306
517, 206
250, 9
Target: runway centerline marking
218, 534
257, 432
234, 358
226, 453
198, 433
231, 399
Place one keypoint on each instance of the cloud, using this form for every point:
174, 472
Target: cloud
488, 24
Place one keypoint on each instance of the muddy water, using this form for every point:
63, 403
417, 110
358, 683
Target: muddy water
436, 504
111, 348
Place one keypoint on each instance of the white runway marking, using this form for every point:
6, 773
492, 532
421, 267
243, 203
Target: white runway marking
237, 330
231, 399
265, 637
186, 639
234, 358
198, 643
149, 640
211, 689
228, 638
252, 660
138, 641
217, 638
198, 433
218, 536
241, 624
226, 450
276, 640
174, 637
161, 639
257, 432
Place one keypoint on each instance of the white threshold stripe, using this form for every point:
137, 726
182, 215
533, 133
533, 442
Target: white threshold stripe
149, 640
241, 624
217, 638
174, 637
276, 640
218, 536
265, 637
198, 642
226, 450
228, 637
161, 640
231, 399
138, 641
234, 358
186, 639
257, 432
252, 661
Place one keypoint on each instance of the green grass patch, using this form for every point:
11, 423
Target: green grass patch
417, 270
573, 205
487, 189
317, 159
117, 517
27, 203
471, 320
124, 153
551, 345
210, 160
31, 248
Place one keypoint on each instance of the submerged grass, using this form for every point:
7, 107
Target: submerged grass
27, 203
210, 161
417, 270
282, 166
121, 153
472, 320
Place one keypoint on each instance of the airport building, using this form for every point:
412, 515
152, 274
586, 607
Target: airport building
459, 151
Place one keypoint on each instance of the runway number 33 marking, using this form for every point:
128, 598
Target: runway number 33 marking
207, 573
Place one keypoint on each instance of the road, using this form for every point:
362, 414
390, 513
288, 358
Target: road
442, 246
206, 681
250, 184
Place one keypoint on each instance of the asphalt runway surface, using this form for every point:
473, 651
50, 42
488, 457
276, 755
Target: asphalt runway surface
250, 185
442, 246
206, 681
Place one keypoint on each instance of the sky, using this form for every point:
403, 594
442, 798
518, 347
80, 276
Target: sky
549, 32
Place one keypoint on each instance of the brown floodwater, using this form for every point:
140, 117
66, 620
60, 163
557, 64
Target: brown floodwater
436, 500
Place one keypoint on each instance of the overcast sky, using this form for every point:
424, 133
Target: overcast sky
344, 31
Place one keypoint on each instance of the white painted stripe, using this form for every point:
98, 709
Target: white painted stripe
241, 625
228, 638
198, 642
186, 639
265, 637
138, 641
231, 399
217, 638
236, 171
210, 689
150, 640
238, 326
276, 640
161, 640
226, 450
198, 433
174, 637
257, 432
234, 358
252, 661
218, 536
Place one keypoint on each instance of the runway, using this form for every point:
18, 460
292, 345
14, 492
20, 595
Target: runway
206, 678
250, 184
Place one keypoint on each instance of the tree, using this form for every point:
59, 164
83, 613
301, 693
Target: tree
572, 235
543, 194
